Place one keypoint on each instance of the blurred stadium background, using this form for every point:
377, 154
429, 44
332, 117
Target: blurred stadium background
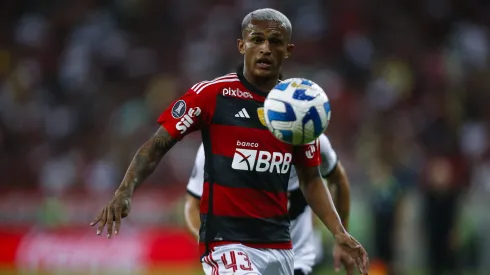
82, 83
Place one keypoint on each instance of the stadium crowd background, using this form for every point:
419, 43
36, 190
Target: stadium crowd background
82, 83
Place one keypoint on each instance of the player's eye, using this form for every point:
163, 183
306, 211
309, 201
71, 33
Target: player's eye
275, 41
257, 40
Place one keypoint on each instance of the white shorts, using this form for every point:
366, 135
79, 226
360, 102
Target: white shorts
239, 259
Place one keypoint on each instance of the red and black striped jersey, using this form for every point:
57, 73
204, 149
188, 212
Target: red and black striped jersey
246, 169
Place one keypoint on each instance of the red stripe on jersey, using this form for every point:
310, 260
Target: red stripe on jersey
244, 202
200, 84
199, 88
240, 137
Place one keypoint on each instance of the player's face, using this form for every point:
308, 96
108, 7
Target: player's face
265, 45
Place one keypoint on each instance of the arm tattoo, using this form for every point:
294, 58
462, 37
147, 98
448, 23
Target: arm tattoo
146, 159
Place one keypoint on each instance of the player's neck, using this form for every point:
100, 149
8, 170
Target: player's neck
263, 83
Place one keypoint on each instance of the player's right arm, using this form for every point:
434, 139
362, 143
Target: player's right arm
187, 114
194, 193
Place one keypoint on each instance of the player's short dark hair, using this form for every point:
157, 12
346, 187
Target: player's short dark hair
267, 15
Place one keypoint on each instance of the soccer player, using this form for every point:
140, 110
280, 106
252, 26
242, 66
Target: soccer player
244, 215
299, 211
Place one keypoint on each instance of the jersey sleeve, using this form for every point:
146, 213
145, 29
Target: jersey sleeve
307, 155
189, 113
328, 156
196, 181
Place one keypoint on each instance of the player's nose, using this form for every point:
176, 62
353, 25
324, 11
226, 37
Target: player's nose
265, 48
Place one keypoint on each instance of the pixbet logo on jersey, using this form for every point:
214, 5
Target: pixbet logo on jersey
261, 161
186, 121
236, 93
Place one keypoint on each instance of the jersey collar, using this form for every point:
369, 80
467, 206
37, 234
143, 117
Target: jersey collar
247, 84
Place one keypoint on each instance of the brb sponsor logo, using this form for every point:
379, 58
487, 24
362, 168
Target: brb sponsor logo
188, 119
236, 93
261, 161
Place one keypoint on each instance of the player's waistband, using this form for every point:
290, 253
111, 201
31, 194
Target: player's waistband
281, 245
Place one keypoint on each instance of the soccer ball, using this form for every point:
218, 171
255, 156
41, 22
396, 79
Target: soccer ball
297, 111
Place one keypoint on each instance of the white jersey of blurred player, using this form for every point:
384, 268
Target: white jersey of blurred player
306, 245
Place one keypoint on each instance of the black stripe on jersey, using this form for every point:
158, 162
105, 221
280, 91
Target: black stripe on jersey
210, 232
297, 203
228, 107
251, 230
230, 177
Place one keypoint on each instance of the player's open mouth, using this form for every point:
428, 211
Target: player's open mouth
264, 63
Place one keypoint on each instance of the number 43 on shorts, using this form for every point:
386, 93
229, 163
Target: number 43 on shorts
237, 260
234, 262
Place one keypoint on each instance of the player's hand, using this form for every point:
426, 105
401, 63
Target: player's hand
352, 247
340, 257
116, 209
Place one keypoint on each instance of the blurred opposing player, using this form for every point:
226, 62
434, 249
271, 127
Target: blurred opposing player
299, 211
244, 215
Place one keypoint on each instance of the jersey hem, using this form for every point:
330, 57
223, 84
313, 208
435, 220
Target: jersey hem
193, 194
281, 246
326, 175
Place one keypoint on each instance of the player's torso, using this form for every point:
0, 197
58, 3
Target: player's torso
246, 171
247, 152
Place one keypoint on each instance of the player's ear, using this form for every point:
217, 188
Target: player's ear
241, 46
289, 50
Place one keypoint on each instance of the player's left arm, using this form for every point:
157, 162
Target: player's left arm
334, 173
307, 162
316, 193
318, 197
338, 178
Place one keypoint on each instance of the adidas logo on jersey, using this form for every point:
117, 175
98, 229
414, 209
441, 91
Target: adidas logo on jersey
261, 161
243, 114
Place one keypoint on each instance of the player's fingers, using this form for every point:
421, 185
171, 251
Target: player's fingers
362, 268
365, 261
348, 263
96, 220
349, 269
357, 263
353, 253
103, 221
117, 219
110, 221
336, 261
